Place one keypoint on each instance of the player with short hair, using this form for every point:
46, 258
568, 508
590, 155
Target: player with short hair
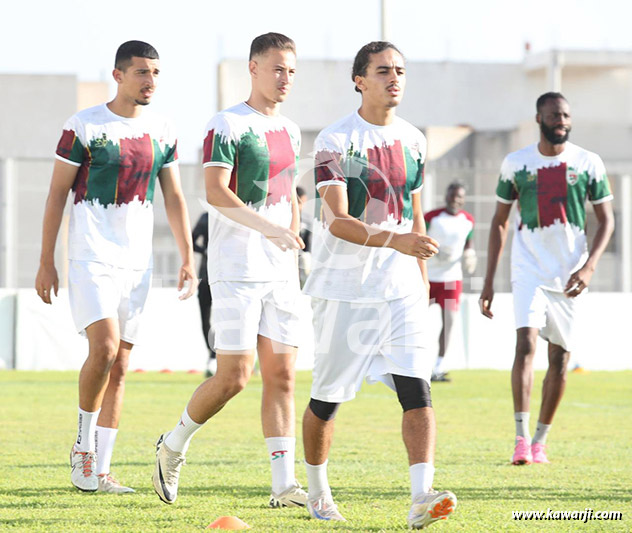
550, 263
369, 283
250, 165
110, 156
453, 227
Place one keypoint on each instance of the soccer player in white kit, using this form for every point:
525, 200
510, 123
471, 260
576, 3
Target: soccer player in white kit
110, 156
250, 166
369, 282
550, 262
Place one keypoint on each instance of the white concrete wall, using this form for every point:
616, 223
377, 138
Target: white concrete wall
172, 338
7, 328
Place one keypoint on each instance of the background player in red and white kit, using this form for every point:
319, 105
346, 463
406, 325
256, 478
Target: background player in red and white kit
110, 156
550, 262
453, 227
250, 166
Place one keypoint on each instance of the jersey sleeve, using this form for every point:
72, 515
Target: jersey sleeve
506, 190
171, 147
599, 187
71, 148
429, 215
220, 144
329, 164
470, 219
421, 165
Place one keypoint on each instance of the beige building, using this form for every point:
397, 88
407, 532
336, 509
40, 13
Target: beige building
33, 108
472, 113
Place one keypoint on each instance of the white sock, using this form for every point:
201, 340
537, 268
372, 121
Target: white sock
86, 427
104, 446
180, 437
421, 478
541, 432
317, 482
522, 425
438, 367
281, 450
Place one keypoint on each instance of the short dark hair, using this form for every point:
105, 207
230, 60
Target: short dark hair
456, 184
260, 45
131, 49
543, 99
363, 57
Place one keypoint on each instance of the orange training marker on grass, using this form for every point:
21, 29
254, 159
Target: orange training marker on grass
228, 522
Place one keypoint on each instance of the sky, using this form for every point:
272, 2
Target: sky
192, 36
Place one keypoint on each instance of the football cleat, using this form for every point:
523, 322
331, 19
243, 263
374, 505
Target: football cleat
324, 508
83, 470
440, 377
522, 452
429, 507
295, 496
538, 451
166, 471
110, 485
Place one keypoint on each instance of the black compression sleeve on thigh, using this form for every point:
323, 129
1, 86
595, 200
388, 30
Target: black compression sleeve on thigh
412, 393
324, 410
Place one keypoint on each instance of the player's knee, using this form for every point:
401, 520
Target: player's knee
412, 393
324, 410
118, 372
525, 347
105, 352
558, 360
230, 382
232, 388
282, 379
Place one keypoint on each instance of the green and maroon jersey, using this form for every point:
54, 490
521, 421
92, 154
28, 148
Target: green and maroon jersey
550, 239
118, 159
380, 167
261, 152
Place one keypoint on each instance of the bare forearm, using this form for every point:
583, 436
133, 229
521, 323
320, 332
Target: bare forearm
419, 226
497, 238
295, 225
229, 205
53, 215
357, 232
600, 242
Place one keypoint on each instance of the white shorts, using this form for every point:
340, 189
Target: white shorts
368, 340
243, 310
549, 311
99, 291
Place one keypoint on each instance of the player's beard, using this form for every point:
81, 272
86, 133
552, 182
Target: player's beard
549, 134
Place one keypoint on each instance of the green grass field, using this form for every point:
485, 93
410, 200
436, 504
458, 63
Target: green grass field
227, 471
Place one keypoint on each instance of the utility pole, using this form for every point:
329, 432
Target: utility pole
555, 71
385, 21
